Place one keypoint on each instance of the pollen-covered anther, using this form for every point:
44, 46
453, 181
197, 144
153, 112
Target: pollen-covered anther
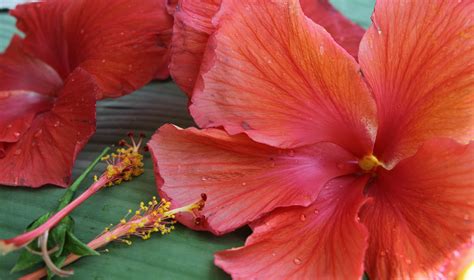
369, 163
153, 216
126, 162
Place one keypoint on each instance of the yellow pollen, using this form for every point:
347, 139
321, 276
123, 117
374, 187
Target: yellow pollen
368, 163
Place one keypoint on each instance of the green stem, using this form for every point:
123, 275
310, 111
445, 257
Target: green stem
67, 197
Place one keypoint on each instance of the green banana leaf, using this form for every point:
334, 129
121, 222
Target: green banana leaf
183, 254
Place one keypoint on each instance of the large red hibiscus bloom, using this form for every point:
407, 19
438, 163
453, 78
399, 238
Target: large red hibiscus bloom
73, 53
336, 173
193, 26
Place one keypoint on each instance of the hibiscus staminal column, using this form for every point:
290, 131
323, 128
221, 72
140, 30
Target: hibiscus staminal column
123, 165
151, 217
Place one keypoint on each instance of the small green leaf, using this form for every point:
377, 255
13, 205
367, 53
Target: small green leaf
77, 247
58, 234
25, 261
39, 221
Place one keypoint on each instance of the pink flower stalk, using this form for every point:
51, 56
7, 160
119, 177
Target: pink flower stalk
123, 165
151, 217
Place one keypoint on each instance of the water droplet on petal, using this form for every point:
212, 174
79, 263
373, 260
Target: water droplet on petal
408, 261
103, 60
321, 49
56, 124
274, 254
17, 134
82, 31
316, 211
244, 184
466, 217
9, 126
302, 217
17, 152
203, 178
297, 261
383, 254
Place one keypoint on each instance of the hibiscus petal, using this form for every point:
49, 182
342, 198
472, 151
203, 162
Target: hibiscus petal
345, 33
21, 71
193, 26
417, 56
191, 31
322, 241
422, 211
17, 111
124, 45
47, 150
272, 73
242, 179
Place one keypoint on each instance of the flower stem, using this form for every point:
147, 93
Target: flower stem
25, 238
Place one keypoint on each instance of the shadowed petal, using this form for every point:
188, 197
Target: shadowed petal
322, 241
422, 210
47, 150
124, 45
345, 32
242, 179
418, 57
288, 84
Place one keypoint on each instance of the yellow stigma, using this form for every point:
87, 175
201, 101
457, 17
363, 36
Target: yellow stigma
468, 273
368, 163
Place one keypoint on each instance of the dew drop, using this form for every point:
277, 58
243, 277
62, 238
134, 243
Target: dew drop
17, 152
9, 126
297, 261
82, 31
122, 33
456, 254
103, 60
244, 184
274, 254
203, 178
302, 217
466, 217
408, 261
316, 211
379, 31
383, 254
56, 124
321, 49
17, 134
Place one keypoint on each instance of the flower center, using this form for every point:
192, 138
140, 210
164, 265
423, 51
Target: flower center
369, 163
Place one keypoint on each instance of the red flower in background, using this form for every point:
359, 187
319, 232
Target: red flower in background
73, 53
193, 27
334, 175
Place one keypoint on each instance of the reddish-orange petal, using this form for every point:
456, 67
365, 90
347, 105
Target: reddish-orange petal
46, 152
20, 71
418, 57
123, 45
191, 31
193, 26
345, 32
280, 78
422, 210
242, 179
322, 241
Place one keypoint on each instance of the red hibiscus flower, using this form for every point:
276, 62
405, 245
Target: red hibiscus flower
193, 27
335, 173
73, 53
